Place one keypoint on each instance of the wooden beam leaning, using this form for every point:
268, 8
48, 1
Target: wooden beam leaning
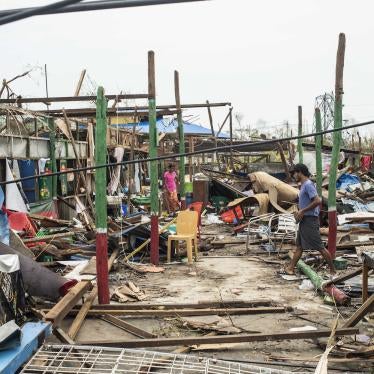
243, 338
120, 323
80, 317
360, 313
67, 303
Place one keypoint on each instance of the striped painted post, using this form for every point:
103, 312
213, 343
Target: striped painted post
100, 199
338, 120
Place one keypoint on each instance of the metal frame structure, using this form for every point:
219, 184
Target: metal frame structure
53, 359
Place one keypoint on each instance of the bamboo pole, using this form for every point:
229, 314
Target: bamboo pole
100, 200
336, 145
153, 153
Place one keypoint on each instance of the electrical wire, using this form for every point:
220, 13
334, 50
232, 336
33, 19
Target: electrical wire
19, 14
187, 154
86, 6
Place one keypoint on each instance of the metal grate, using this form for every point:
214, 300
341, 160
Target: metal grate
56, 359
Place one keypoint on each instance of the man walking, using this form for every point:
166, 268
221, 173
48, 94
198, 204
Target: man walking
308, 236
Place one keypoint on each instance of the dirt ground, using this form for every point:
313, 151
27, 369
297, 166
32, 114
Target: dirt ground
222, 275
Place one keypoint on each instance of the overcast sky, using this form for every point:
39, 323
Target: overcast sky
265, 57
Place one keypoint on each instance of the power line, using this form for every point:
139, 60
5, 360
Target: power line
187, 154
19, 14
86, 6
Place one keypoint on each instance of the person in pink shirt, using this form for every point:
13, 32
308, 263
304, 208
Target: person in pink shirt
170, 188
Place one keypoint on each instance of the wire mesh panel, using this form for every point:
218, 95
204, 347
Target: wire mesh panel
53, 359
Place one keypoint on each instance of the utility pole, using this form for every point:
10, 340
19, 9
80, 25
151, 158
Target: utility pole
318, 151
153, 144
100, 199
300, 132
336, 145
182, 167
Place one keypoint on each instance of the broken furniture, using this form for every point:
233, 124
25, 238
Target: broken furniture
186, 231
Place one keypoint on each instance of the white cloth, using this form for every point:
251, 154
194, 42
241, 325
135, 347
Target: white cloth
14, 200
9, 263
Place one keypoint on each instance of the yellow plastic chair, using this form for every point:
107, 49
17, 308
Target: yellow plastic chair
186, 231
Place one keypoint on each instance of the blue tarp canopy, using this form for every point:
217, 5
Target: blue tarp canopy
169, 126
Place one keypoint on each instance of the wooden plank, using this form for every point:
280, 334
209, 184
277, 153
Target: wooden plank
360, 313
127, 326
185, 312
50, 237
220, 339
80, 317
365, 281
63, 307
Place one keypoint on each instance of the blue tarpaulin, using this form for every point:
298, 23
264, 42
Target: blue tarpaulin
346, 180
169, 126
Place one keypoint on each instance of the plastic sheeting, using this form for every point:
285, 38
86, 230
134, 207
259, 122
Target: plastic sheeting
346, 180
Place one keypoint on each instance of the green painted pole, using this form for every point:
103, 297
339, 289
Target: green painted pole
300, 132
318, 152
153, 143
101, 199
182, 166
52, 151
339, 296
338, 122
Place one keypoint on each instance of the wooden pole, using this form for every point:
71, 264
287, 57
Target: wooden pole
212, 129
231, 157
182, 167
318, 152
300, 132
100, 200
336, 145
152, 154
52, 151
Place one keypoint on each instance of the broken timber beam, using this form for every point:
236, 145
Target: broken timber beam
120, 323
360, 313
185, 312
203, 305
243, 338
344, 277
79, 318
64, 306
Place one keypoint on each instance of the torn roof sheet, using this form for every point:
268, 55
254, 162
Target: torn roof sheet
169, 126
